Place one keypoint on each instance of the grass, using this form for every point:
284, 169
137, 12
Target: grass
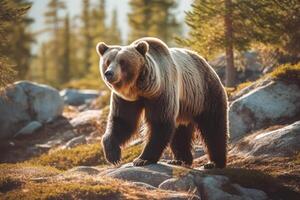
63, 190
87, 154
90, 154
13, 176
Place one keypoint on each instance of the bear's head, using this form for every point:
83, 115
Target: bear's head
120, 67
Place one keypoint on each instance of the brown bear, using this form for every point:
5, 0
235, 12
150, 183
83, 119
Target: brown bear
177, 93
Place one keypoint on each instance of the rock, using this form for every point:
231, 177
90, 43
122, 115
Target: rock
78, 97
180, 179
249, 193
86, 118
144, 185
74, 142
151, 174
280, 142
84, 170
50, 144
26, 101
29, 128
215, 187
198, 152
263, 106
185, 183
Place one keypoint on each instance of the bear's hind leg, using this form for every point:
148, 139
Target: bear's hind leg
181, 145
213, 128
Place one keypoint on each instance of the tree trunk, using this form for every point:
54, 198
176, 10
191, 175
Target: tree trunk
44, 63
230, 69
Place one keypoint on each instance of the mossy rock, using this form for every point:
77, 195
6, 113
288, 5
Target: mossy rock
288, 73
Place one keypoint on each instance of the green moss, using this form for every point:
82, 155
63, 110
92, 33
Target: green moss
256, 179
63, 190
89, 154
130, 153
288, 73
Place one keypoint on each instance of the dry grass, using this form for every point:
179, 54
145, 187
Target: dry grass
20, 185
232, 91
87, 154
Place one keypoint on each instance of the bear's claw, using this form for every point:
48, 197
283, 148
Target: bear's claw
177, 162
210, 165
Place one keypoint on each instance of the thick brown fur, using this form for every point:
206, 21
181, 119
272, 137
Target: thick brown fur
177, 90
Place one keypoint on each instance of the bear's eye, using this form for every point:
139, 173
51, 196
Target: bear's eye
107, 62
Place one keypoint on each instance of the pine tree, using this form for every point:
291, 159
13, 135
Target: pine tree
44, 61
86, 29
215, 28
153, 18
276, 23
230, 68
99, 33
54, 22
114, 36
98, 23
15, 40
65, 74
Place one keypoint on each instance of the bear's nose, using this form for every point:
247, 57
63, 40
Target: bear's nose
109, 75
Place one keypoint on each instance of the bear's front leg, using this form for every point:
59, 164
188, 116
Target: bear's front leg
121, 125
160, 135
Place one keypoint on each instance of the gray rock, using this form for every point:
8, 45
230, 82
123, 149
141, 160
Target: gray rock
215, 187
50, 144
151, 174
24, 102
78, 97
74, 142
144, 185
45, 101
280, 142
84, 170
249, 193
29, 128
185, 183
263, 106
86, 118
198, 152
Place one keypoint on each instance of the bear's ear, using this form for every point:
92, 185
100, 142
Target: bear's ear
142, 47
101, 48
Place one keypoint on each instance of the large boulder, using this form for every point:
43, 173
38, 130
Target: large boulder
265, 105
283, 141
78, 97
26, 101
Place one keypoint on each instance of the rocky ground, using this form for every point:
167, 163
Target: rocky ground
50, 148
